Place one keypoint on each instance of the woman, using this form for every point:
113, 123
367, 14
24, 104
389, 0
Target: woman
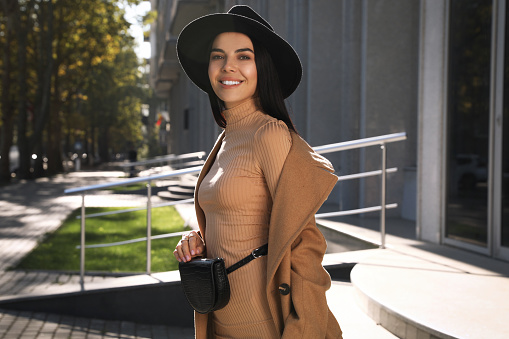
261, 183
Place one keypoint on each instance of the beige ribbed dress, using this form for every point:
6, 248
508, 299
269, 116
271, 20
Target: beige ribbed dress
236, 196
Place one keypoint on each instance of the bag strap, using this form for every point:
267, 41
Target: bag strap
259, 252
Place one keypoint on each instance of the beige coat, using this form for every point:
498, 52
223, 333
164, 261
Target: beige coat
296, 280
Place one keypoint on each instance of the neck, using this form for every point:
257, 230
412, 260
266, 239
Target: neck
241, 111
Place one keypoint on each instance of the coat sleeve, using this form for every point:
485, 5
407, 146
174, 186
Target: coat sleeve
310, 316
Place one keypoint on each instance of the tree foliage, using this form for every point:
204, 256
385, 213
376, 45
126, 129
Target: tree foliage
69, 74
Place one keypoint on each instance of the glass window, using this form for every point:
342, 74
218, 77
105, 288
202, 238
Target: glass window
468, 120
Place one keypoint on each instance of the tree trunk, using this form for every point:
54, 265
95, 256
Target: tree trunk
6, 102
92, 145
103, 139
44, 83
54, 128
54, 137
23, 146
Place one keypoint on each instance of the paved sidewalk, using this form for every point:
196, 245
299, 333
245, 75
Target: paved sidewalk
29, 210
30, 325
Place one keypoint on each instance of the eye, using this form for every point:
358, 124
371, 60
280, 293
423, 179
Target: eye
245, 57
216, 57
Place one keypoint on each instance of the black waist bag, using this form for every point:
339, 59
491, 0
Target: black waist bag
205, 281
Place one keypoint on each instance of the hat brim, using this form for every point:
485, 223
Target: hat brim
195, 40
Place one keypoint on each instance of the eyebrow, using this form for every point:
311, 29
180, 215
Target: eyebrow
237, 51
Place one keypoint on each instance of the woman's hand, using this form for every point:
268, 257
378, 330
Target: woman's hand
191, 245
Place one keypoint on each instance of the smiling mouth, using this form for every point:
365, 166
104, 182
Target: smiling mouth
230, 82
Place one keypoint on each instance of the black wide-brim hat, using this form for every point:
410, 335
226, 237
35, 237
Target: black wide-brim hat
195, 41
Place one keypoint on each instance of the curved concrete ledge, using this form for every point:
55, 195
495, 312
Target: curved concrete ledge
395, 322
419, 294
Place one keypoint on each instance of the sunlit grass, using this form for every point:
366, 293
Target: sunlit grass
131, 187
58, 251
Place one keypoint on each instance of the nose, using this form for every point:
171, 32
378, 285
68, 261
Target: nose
229, 65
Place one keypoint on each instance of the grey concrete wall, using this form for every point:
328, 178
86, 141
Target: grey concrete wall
334, 74
390, 90
175, 104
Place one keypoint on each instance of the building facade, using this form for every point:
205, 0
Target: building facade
435, 69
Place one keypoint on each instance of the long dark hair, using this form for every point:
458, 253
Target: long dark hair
268, 89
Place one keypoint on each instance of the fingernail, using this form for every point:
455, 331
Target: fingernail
192, 252
188, 258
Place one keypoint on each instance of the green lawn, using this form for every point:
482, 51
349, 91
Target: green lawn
58, 251
128, 188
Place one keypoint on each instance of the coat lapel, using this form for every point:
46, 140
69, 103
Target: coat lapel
306, 180
206, 168
201, 320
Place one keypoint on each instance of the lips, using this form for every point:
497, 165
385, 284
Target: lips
230, 82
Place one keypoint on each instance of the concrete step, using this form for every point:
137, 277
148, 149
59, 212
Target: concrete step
354, 323
181, 190
189, 180
167, 195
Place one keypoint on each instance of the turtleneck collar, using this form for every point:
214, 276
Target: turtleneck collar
237, 113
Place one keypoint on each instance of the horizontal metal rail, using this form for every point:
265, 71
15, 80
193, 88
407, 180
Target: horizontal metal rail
366, 142
185, 201
365, 174
132, 241
165, 158
176, 173
188, 164
357, 211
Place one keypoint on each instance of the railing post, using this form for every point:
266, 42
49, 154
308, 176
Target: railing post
149, 227
82, 241
382, 195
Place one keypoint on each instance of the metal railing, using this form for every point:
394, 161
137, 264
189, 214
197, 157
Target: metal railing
361, 143
175, 161
342, 146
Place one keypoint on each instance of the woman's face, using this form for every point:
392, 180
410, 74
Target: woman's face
232, 68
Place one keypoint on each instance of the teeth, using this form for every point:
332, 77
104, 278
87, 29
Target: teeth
230, 83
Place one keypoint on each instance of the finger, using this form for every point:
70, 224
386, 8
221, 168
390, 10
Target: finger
186, 254
182, 244
178, 252
200, 246
176, 255
193, 243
